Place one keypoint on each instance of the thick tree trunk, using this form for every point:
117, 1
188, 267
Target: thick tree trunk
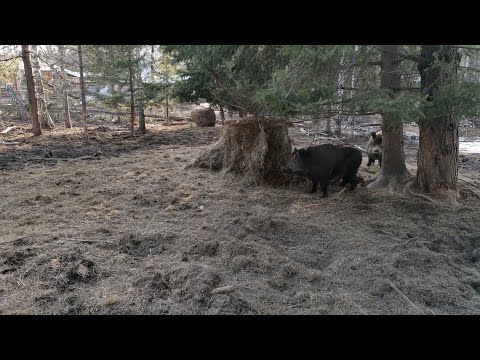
132, 98
45, 119
82, 91
64, 84
328, 128
36, 128
393, 172
438, 143
141, 126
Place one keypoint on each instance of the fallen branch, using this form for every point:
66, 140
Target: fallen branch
405, 298
370, 125
327, 244
457, 267
431, 311
84, 240
117, 113
222, 290
11, 241
8, 129
337, 194
322, 137
388, 233
88, 157
334, 196
10, 143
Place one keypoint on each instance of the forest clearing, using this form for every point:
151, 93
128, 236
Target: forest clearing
182, 180
128, 228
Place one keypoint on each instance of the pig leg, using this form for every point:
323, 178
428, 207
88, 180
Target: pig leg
323, 186
353, 183
370, 161
345, 179
314, 186
380, 161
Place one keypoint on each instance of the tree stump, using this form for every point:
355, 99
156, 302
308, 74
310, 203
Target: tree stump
254, 147
203, 117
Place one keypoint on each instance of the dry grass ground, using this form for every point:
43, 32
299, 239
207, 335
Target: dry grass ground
125, 226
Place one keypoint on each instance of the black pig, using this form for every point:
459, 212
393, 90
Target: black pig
375, 148
324, 162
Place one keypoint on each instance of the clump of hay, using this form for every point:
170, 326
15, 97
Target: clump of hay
203, 117
253, 147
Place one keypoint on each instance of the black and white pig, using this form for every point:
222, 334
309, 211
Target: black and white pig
375, 148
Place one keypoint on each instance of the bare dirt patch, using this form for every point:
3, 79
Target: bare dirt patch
126, 226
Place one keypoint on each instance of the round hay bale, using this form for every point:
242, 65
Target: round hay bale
203, 117
254, 147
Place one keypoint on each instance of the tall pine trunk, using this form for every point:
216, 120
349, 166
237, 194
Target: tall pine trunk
328, 128
166, 109
152, 62
222, 114
438, 142
64, 85
352, 84
82, 91
393, 171
132, 98
45, 119
36, 128
141, 98
339, 97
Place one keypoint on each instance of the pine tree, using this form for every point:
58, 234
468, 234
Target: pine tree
26, 56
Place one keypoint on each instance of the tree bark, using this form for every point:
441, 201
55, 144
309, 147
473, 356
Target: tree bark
66, 113
45, 119
82, 90
36, 128
141, 95
152, 61
222, 114
339, 97
352, 84
328, 128
393, 172
166, 110
141, 127
438, 141
132, 98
